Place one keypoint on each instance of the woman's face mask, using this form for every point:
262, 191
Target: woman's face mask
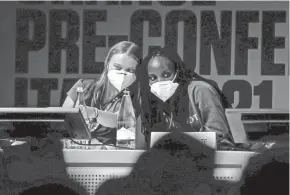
121, 79
162, 73
164, 89
121, 71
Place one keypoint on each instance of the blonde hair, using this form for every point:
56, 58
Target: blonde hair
123, 47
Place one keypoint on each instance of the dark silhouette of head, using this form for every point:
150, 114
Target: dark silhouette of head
267, 174
50, 189
176, 164
26, 166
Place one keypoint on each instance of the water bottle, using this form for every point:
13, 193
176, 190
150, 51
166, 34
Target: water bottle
126, 123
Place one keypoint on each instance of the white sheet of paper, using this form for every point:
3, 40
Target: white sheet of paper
123, 134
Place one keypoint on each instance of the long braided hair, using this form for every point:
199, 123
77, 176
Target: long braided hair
178, 103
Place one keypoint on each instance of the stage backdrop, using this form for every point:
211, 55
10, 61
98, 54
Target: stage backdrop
46, 46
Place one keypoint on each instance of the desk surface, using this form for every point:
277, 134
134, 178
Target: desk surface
77, 156
127, 158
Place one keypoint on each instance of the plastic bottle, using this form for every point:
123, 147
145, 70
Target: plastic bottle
126, 123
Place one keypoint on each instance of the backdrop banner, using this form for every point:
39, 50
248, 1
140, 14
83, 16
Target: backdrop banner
45, 47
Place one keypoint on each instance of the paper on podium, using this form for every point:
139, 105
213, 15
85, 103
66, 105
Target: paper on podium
126, 134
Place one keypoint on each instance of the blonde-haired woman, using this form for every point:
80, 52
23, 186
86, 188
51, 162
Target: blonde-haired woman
103, 96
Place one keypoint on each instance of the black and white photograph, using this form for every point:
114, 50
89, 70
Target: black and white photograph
147, 97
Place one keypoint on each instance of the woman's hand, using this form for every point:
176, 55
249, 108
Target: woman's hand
88, 112
104, 118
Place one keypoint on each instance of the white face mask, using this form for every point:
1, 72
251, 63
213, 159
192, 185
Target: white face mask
121, 79
164, 89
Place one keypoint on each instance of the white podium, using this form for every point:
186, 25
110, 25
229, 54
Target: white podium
91, 168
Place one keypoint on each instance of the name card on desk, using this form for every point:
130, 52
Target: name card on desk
207, 138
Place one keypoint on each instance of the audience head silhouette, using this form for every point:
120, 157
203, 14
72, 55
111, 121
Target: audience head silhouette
176, 164
267, 174
52, 189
